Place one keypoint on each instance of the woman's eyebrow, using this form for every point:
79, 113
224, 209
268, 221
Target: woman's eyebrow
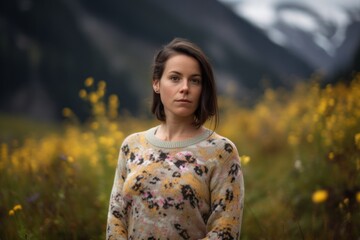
176, 72
179, 73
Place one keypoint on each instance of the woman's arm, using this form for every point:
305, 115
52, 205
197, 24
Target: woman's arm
117, 215
227, 197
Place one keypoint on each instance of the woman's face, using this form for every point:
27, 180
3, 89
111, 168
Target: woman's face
180, 87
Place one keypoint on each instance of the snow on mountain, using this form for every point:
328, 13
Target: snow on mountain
314, 30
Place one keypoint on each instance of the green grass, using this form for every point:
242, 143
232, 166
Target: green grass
61, 175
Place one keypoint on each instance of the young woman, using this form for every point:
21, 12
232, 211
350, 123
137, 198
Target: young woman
178, 180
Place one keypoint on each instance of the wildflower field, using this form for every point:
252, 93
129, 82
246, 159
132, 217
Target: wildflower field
300, 153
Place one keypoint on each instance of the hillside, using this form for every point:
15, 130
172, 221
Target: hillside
47, 49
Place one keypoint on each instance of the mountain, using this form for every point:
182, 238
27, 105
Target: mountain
47, 49
324, 34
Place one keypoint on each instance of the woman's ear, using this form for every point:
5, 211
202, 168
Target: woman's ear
156, 86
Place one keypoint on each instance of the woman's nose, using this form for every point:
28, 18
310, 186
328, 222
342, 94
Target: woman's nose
185, 86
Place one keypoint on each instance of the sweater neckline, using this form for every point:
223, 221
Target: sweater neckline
150, 136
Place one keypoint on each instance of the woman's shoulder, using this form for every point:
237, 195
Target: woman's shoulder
222, 143
219, 139
134, 138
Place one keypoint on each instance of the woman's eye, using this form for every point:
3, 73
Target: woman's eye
196, 81
174, 78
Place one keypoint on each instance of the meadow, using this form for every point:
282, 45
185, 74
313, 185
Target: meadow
299, 149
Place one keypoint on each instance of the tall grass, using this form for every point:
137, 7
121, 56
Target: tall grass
302, 177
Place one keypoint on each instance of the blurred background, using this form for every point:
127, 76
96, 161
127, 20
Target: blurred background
48, 49
76, 79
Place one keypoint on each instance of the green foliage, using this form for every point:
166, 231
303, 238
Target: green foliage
302, 180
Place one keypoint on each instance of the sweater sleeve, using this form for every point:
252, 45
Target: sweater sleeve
117, 214
227, 196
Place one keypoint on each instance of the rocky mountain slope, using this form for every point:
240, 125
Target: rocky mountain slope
47, 49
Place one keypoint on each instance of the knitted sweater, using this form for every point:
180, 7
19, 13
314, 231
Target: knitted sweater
189, 189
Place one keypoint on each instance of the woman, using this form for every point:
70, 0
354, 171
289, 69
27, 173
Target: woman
178, 180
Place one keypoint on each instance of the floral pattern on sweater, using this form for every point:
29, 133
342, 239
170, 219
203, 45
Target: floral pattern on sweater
187, 190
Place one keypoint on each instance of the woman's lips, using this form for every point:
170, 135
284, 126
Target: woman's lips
183, 100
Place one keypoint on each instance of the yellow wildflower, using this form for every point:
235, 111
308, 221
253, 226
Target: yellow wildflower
82, 93
331, 155
113, 100
357, 140
320, 196
93, 97
11, 212
100, 92
70, 159
322, 106
245, 159
89, 81
66, 112
113, 105
17, 207
358, 197
102, 85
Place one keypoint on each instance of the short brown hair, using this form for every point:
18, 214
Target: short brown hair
208, 106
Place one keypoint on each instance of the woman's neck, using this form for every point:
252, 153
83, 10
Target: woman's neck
175, 131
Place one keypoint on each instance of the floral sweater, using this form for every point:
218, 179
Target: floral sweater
189, 189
